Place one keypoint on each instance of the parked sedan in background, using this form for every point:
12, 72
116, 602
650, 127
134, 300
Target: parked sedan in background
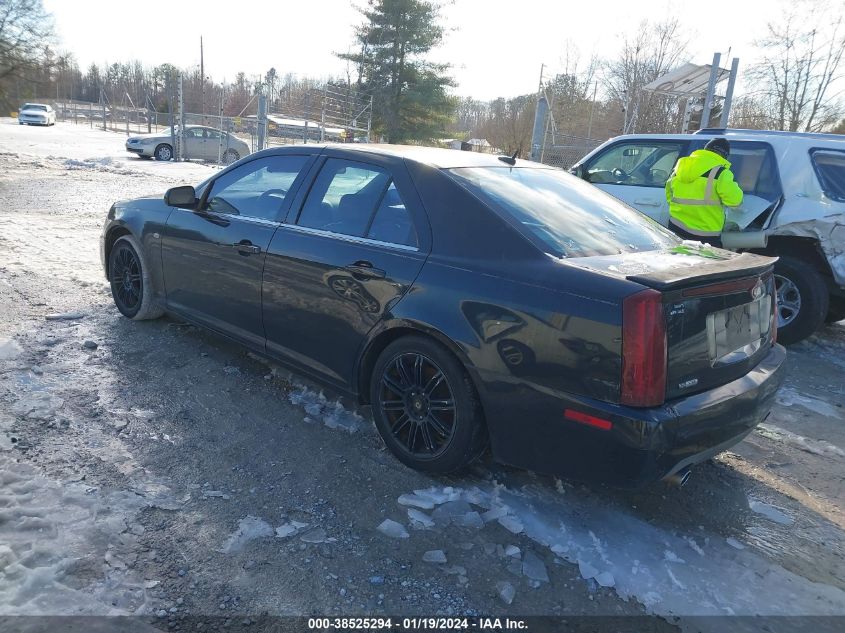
471, 300
201, 143
36, 114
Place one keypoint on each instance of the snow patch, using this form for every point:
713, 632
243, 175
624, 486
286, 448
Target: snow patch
9, 349
816, 447
333, 414
770, 512
788, 397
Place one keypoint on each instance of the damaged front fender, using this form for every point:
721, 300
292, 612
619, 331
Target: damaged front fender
830, 233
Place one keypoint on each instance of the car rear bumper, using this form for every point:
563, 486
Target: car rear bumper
643, 445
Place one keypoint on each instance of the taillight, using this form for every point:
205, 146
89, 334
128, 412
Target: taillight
644, 352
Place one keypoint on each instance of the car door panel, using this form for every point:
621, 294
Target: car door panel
324, 291
213, 259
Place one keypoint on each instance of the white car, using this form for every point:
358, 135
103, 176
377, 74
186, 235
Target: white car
37, 114
793, 208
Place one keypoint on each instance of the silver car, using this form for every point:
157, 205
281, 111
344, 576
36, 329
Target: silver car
203, 143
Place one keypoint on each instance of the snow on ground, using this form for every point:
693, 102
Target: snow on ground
669, 572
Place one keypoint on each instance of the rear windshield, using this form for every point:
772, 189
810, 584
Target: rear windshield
830, 168
566, 215
34, 106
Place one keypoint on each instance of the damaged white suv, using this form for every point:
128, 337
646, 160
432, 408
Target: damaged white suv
794, 207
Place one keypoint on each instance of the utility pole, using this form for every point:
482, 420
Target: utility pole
202, 82
592, 107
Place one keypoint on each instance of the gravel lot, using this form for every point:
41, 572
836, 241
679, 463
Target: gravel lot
152, 468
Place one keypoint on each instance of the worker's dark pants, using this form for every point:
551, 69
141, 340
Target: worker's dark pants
714, 240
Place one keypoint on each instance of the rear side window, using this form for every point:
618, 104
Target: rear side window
567, 216
754, 169
830, 170
359, 200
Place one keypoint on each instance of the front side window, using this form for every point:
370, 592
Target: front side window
565, 215
642, 164
830, 169
256, 189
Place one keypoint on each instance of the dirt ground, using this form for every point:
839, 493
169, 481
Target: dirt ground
154, 469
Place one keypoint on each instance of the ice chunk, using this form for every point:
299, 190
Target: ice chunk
734, 543
391, 528
65, 316
438, 496
513, 550
770, 512
249, 529
471, 519
605, 579
672, 557
511, 524
338, 417
416, 501
506, 591
9, 349
455, 570
587, 570
419, 518
450, 511
435, 556
287, 529
494, 513
534, 568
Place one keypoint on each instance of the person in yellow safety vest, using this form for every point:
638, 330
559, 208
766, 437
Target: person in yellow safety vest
700, 186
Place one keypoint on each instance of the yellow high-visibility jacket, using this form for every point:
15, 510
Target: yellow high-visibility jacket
698, 187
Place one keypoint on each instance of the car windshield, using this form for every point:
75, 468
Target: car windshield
569, 217
34, 106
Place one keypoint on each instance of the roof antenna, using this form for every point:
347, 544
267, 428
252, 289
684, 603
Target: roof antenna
510, 160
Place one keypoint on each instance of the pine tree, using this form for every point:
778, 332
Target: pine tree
410, 101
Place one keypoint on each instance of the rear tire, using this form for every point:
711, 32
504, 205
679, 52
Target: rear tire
430, 418
131, 287
803, 299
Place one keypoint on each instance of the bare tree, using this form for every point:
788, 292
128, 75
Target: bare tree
801, 64
655, 49
25, 33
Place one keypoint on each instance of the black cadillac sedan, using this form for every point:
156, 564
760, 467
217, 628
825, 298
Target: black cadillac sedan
472, 300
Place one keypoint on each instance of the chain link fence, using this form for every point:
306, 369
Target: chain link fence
564, 150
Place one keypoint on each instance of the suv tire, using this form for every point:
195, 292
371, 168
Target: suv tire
803, 299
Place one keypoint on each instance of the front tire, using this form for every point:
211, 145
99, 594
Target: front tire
130, 283
163, 152
802, 298
230, 156
425, 406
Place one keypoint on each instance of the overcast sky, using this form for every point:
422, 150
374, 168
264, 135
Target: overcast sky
495, 46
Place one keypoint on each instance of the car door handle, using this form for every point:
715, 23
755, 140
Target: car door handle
245, 247
647, 203
365, 269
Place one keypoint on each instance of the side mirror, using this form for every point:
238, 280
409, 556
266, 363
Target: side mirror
185, 197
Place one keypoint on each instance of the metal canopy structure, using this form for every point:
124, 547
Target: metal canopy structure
689, 80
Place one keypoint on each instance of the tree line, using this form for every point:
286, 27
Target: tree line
796, 85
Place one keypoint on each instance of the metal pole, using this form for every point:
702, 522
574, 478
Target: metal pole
323, 118
711, 90
537, 139
202, 82
370, 120
305, 133
181, 101
262, 120
220, 146
729, 93
592, 107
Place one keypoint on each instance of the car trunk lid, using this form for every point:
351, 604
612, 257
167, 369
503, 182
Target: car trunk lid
717, 307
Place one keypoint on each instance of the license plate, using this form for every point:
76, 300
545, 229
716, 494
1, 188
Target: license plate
738, 332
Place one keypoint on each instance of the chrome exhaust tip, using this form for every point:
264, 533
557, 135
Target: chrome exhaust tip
679, 479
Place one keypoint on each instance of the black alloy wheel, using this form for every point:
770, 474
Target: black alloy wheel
126, 279
418, 402
425, 406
